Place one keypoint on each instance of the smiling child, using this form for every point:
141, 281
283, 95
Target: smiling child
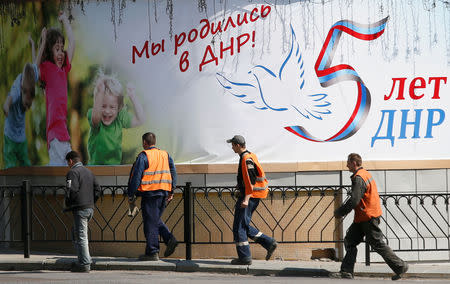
107, 118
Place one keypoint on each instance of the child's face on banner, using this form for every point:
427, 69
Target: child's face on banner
58, 53
110, 109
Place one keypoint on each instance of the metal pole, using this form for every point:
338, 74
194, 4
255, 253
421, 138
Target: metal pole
26, 217
367, 253
341, 225
188, 219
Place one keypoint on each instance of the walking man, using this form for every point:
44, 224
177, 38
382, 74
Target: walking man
366, 203
82, 191
252, 186
154, 178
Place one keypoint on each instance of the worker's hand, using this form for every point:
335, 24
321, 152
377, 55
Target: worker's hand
170, 197
244, 203
133, 210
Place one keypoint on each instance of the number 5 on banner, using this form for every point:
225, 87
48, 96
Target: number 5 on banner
331, 75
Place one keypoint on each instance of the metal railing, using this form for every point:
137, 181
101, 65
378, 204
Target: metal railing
204, 215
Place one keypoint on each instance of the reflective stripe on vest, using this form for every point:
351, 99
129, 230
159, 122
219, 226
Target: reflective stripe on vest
157, 181
157, 172
260, 188
367, 182
157, 176
369, 207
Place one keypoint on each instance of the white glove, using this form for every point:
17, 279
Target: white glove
133, 210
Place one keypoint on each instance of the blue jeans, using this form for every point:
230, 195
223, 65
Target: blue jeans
152, 209
242, 229
80, 234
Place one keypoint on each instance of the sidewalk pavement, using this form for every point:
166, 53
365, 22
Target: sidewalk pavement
15, 261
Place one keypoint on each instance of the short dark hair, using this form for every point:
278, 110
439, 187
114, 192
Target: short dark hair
74, 156
353, 157
150, 138
240, 144
29, 78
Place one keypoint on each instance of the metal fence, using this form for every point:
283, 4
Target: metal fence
204, 215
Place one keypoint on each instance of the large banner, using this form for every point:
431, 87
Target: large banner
300, 80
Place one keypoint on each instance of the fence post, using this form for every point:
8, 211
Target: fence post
188, 219
367, 253
26, 217
340, 254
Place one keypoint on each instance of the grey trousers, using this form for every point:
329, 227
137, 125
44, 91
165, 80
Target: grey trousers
80, 235
374, 236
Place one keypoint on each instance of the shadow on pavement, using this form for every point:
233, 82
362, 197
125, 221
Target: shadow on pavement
303, 272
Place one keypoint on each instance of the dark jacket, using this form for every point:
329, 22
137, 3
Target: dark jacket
82, 189
358, 189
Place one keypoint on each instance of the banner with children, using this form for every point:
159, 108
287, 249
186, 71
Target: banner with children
300, 80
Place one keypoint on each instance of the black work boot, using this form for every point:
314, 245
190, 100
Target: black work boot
341, 274
75, 267
271, 249
241, 261
400, 273
171, 245
149, 257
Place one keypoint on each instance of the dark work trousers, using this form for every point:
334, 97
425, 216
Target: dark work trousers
152, 209
242, 229
374, 237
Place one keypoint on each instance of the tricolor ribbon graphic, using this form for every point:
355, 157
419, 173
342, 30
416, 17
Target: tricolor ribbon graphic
331, 75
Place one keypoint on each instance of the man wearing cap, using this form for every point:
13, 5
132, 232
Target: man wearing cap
252, 185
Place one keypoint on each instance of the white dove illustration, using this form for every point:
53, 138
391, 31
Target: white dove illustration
268, 90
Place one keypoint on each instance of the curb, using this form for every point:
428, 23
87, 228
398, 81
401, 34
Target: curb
125, 264
409, 275
210, 266
21, 265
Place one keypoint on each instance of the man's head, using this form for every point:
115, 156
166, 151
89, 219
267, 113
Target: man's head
27, 85
72, 158
237, 143
148, 140
354, 161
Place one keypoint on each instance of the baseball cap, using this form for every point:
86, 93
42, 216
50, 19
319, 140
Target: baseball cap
237, 139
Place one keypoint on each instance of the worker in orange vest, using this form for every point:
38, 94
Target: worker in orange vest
153, 177
252, 186
366, 203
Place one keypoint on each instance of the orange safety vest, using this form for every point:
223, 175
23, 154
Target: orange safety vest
369, 207
157, 176
261, 186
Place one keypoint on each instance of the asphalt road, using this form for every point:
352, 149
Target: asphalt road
177, 277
